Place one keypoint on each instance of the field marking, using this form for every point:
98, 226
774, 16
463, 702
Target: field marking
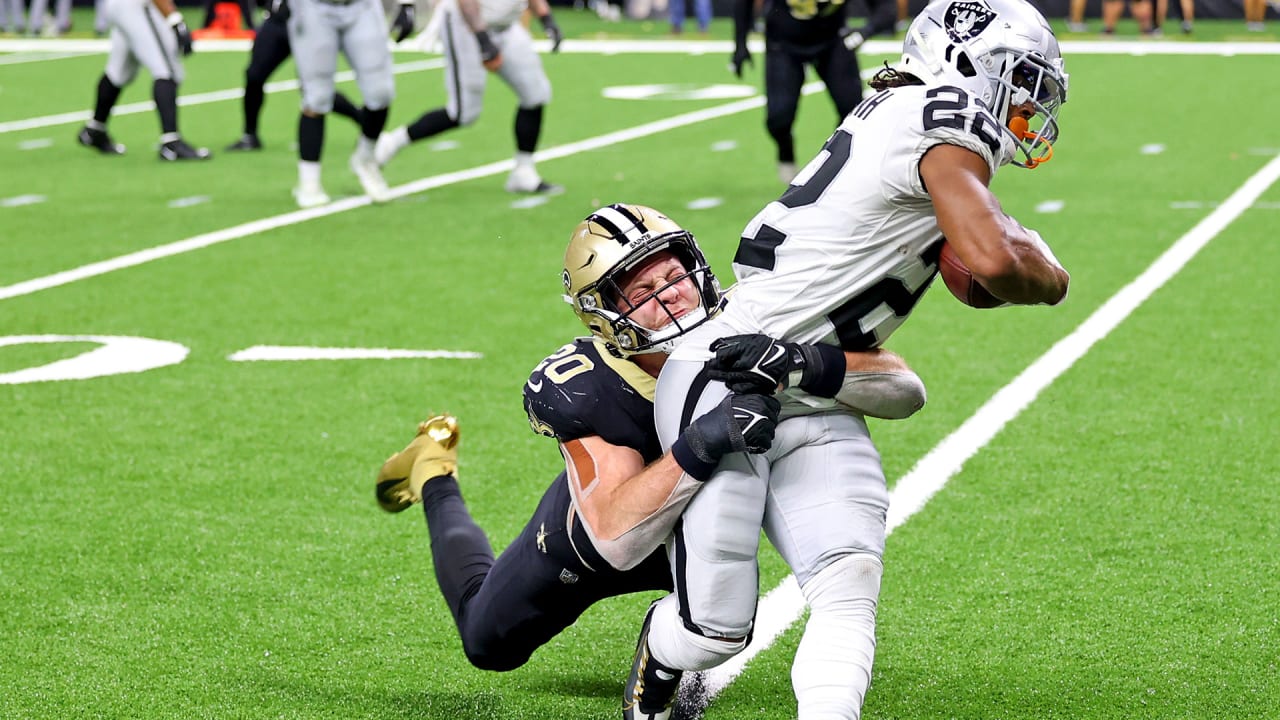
209, 239
79, 116
782, 606
260, 353
30, 57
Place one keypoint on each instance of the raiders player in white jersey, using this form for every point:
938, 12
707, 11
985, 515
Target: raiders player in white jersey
479, 37
318, 31
149, 33
842, 257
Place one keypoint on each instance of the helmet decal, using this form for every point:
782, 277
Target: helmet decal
966, 20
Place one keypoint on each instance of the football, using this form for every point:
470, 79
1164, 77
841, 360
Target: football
961, 283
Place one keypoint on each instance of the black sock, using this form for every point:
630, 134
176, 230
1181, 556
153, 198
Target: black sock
253, 97
310, 137
165, 93
344, 107
459, 548
528, 128
434, 122
372, 122
108, 93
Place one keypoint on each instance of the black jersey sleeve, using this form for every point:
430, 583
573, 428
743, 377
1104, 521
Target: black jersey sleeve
576, 393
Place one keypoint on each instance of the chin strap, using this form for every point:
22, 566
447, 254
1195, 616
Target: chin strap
1021, 130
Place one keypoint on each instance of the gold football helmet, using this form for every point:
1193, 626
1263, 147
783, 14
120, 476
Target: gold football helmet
603, 248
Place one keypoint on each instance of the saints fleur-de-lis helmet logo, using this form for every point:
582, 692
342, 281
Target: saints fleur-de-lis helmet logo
966, 20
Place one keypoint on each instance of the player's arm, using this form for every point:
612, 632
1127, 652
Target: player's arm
490, 55
541, 9
630, 509
1006, 258
743, 19
179, 26
878, 383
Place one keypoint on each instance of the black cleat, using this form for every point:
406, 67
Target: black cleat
175, 150
248, 141
651, 687
100, 140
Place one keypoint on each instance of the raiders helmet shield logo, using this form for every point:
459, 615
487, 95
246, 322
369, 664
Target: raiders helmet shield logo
966, 20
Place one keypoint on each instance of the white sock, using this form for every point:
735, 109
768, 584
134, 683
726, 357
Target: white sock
364, 145
832, 669
524, 159
308, 173
94, 124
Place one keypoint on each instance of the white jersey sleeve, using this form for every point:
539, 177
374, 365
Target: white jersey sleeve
848, 250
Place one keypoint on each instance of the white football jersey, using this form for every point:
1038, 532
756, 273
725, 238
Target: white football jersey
846, 252
501, 13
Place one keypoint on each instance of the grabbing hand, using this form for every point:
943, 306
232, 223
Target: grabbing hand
758, 363
740, 423
741, 56
852, 38
553, 31
181, 32
490, 55
402, 26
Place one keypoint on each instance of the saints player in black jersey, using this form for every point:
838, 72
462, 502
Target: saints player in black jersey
270, 50
639, 282
799, 33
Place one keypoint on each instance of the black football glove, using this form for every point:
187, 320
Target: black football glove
851, 38
741, 56
402, 26
740, 423
553, 31
490, 55
760, 364
181, 32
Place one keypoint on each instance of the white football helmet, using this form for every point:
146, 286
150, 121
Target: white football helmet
1003, 52
614, 240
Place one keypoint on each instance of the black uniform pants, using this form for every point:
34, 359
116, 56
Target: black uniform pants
784, 66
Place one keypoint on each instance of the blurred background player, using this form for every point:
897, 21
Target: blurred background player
61, 17
1113, 9
479, 37
270, 50
800, 34
1186, 10
318, 31
150, 33
1255, 13
1075, 16
13, 16
701, 12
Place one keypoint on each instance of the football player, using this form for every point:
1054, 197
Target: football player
318, 31
639, 282
150, 33
270, 50
479, 38
796, 34
842, 257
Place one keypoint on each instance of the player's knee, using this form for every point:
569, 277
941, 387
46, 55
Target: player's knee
779, 119
467, 114
255, 75
677, 646
848, 585
380, 98
120, 78
489, 655
538, 95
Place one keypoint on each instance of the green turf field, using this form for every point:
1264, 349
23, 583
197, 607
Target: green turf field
200, 540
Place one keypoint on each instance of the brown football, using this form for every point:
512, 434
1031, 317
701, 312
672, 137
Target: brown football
961, 283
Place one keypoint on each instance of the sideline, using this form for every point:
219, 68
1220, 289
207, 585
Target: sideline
782, 606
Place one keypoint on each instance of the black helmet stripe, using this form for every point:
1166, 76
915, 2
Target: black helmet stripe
620, 223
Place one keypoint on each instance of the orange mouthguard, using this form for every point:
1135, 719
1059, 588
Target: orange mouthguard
1021, 129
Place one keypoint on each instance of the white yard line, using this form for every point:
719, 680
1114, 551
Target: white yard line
80, 116
31, 57
782, 606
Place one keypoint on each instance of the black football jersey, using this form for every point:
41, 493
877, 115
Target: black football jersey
804, 22
582, 390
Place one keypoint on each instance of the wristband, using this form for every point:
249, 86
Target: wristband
693, 466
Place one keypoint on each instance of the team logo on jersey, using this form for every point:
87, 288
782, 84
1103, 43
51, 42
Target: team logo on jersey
966, 20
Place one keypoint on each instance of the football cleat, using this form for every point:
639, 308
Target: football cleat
386, 147
176, 150
248, 141
433, 453
366, 169
100, 140
310, 195
651, 687
524, 179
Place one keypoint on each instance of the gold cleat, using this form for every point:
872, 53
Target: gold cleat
434, 452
